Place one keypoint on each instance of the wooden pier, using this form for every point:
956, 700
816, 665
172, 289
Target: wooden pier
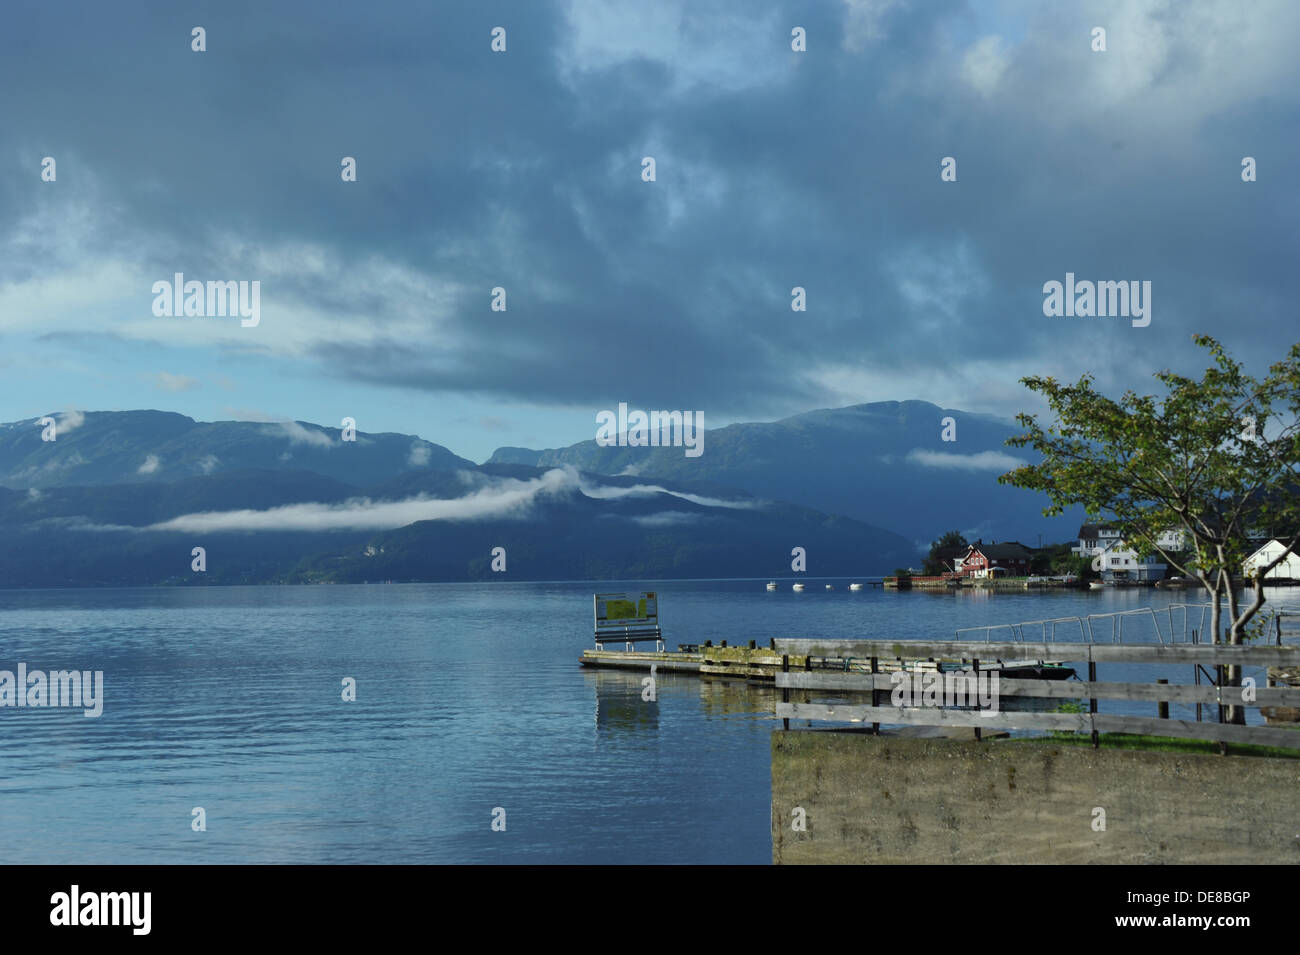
764, 663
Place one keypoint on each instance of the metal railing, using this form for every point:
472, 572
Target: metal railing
1092, 628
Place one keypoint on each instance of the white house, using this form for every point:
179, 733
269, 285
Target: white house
1287, 569
1115, 561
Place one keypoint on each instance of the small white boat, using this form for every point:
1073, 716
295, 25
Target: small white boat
771, 585
798, 587
829, 587
1096, 585
855, 586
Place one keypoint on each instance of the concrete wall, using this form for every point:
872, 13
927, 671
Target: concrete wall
895, 800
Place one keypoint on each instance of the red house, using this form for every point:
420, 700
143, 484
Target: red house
988, 560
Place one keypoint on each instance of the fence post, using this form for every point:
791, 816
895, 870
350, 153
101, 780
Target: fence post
975, 664
785, 690
875, 694
1092, 701
1162, 707
1219, 678
1196, 678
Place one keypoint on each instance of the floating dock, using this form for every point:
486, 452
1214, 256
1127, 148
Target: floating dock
764, 663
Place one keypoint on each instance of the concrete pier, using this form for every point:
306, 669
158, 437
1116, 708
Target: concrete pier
889, 800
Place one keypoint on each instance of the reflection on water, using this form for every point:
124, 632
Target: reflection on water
469, 697
738, 697
622, 703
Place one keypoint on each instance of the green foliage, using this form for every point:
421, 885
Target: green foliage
934, 565
1216, 458
1165, 744
1057, 560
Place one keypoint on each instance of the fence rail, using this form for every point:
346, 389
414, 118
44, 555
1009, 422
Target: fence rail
1094, 627
1058, 689
1202, 653
1205, 657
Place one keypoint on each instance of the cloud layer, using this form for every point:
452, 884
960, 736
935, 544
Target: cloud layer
775, 169
487, 499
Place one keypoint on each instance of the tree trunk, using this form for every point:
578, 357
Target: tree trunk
1234, 712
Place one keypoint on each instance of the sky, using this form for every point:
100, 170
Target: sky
523, 170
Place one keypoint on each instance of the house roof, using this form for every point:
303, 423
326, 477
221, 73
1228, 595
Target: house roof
1262, 543
1089, 531
1008, 550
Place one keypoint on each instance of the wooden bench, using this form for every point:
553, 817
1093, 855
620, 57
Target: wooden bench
629, 636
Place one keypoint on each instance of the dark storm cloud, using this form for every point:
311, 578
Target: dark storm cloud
775, 169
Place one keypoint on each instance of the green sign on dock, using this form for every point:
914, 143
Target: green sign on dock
623, 611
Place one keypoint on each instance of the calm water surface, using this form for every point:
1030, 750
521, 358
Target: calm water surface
470, 697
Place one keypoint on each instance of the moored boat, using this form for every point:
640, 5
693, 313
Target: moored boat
1040, 671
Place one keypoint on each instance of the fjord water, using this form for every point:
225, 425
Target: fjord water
469, 698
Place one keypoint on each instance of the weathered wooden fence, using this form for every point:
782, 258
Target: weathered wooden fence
863, 673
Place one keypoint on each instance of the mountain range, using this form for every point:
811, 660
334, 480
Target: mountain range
125, 498
885, 463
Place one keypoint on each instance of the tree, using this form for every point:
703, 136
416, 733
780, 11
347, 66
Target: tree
1060, 560
1073, 565
934, 564
1216, 460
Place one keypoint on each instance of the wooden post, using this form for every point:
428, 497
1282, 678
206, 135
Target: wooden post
1196, 678
1162, 707
1218, 680
785, 690
875, 694
1092, 702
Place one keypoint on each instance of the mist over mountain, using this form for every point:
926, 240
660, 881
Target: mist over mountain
349, 513
884, 463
